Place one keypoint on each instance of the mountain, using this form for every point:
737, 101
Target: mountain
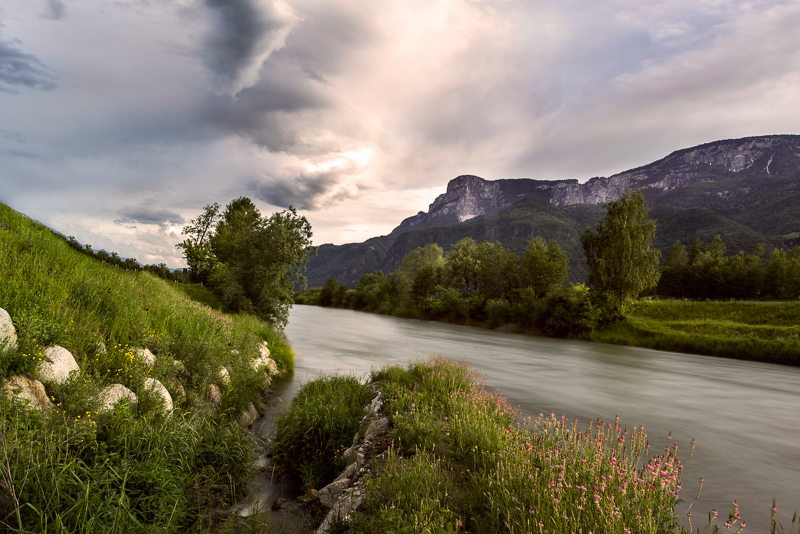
746, 190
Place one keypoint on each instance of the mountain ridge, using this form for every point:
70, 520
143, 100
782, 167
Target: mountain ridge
748, 189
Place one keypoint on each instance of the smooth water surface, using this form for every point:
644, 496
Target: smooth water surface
745, 416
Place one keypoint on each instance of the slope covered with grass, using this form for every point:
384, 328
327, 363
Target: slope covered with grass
76, 468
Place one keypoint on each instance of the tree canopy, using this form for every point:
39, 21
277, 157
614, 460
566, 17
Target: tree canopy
252, 262
621, 263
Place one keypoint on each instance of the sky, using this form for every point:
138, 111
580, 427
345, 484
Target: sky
121, 119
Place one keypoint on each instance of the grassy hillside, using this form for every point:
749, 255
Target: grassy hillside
135, 469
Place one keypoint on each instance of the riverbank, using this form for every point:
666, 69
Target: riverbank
145, 429
459, 460
746, 330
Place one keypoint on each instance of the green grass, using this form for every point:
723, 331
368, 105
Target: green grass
318, 426
758, 331
133, 470
467, 463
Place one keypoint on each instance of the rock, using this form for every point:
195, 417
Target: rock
350, 454
7, 332
248, 416
331, 493
263, 349
347, 502
216, 394
114, 393
178, 366
145, 355
265, 362
375, 405
224, 376
32, 390
60, 366
177, 388
377, 427
348, 472
157, 388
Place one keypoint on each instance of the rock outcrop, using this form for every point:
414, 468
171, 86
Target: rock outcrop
146, 356
61, 363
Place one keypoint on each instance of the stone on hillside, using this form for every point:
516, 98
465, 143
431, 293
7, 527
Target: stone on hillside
31, 390
216, 394
263, 349
248, 416
59, 367
7, 333
145, 355
265, 362
224, 376
114, 393
178, 366
157, 388
377, 428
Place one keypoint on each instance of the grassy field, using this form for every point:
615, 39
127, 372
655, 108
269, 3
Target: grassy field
76, 469
747, 330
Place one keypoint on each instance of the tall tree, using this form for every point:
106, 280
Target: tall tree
237, 221
544, 266
621, 263
197, 247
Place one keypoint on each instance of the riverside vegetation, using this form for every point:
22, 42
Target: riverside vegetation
75, 468
462, 460
488, 285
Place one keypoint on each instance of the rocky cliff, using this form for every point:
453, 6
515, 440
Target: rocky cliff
469, 196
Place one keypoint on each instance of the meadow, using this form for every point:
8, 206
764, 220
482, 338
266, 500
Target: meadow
76, 468
748, 330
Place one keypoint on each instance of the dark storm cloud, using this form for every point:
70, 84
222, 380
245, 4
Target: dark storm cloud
20, 69
245, 32
143, 214
55, 10
305, 190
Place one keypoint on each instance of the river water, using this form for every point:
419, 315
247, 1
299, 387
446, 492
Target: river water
745, 416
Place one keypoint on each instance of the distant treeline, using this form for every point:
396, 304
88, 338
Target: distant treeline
704, 272
161, 270
489, 284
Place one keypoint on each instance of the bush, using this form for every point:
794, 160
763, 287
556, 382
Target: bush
318, 426
568, 311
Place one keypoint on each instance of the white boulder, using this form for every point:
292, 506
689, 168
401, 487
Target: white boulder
114, 393
224, 376
8, 334
264, 349
145, 355
32, 390
59, 367
157, 388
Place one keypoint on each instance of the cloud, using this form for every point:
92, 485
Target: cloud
55, 10
144, 214
244, 34
307, 190
20, 69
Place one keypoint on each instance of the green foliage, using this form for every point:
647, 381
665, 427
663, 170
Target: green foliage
251, 262
318, 426
472, 466
132, 470
621, 264
544, 266
568, 311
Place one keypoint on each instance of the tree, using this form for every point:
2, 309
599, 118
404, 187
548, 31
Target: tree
621, 264
197, 247
544, 266
461, 265
237, 221
271, 259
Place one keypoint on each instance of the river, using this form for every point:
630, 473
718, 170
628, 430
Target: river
745, 416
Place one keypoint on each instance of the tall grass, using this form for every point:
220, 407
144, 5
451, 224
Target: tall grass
75, 469
318, 426
476, 467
